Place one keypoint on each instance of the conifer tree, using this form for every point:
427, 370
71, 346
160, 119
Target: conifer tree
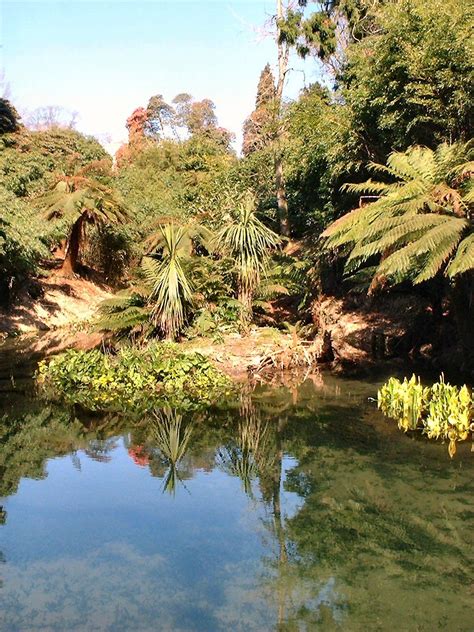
258, 130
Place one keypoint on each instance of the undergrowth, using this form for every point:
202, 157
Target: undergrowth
159, 374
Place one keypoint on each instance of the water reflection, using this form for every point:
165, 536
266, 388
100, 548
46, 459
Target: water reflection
335, 521
171, 436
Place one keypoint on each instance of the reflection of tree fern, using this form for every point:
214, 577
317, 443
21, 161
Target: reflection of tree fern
172, 439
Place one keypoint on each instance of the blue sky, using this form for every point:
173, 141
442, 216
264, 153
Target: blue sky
104, 59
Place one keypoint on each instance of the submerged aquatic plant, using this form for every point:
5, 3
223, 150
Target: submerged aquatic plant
442, 410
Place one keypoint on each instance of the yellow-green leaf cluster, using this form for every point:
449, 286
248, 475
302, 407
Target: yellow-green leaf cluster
442, 410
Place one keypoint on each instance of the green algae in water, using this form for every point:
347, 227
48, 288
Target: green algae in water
283, 509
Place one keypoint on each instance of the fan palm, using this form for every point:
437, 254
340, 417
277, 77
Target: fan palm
421, 223
248, 241
80, 199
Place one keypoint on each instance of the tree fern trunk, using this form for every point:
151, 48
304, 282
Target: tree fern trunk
71, 256
463, 302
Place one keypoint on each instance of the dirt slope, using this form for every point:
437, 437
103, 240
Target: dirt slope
58, 302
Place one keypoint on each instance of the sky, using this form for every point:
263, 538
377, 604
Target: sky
104, 59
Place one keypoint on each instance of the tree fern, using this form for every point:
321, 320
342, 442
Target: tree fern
126, 313
421, 223
464, 259
80, 199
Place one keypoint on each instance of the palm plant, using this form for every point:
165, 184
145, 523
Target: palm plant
421, 222
165, 271
81, 199
166, 294
248, 241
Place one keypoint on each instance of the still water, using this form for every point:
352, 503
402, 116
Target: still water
292, 508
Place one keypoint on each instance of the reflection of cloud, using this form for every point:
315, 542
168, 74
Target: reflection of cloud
117, 588
112, 588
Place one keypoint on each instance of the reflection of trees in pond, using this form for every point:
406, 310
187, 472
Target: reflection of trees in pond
381, 539
256, 453
242, 455
391, 528
99, 449
27, 441
171, 436
382, 535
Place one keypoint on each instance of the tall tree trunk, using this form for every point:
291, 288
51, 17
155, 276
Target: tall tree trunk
245, 300
282, 202
71, 256
283, 56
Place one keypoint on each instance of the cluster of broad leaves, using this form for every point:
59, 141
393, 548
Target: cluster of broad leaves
442, 410
159, 374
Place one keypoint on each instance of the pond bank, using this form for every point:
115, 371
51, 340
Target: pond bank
358, 337
54, 302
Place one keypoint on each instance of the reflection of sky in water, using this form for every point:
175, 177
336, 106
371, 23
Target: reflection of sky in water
101, 547
375, 530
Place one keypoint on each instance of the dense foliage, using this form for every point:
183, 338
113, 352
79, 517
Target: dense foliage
171, 220
159, 374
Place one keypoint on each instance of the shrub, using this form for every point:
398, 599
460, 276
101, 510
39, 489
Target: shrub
133, 379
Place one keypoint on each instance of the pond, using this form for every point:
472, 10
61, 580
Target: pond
291, 508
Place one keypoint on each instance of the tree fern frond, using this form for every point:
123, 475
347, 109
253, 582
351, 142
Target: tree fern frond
124, 320
464, 259
419, 219
369, 187
433, 241
436, 258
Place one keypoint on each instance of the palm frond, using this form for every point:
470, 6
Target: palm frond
171, 292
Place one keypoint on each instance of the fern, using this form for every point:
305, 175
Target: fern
464, 259
127, 311
422, 222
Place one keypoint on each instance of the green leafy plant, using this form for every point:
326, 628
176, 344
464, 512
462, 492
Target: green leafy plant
442, 410
403, 401
131, 379
249, 242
